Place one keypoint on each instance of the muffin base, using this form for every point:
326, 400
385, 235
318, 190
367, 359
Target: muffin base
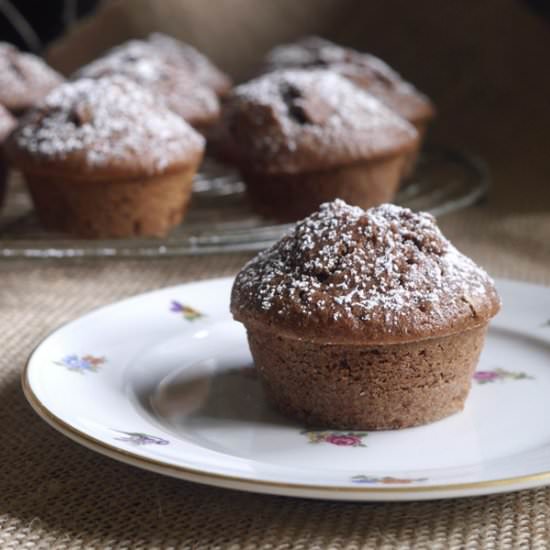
3, 180
102, 209
367, 388
412, 158
290, 197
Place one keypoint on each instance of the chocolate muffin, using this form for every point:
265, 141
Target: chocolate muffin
190, 60
7, 124
365, 320
103, 159
365, 70
181, 91
24, 79
301, 138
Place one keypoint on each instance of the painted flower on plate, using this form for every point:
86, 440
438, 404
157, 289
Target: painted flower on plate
386, 480
339, 438
488, 376
86, 363
139, 438
188, 313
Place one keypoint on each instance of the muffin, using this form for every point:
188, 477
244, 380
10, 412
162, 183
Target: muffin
197, 65
365, 70
103, 159
24, 79
141, 62
366, 320
301, 138
7, 124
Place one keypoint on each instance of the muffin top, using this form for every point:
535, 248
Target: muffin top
142, 63
104, 128
24, 78
381, 276
294, 121
197, 65
7, 123
365, 70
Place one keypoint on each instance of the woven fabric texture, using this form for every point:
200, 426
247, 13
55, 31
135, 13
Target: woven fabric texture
56, 494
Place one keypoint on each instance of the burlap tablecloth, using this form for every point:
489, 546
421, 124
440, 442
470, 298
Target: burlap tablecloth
54, 493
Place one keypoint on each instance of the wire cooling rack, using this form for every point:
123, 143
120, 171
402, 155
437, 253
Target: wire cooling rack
220, 219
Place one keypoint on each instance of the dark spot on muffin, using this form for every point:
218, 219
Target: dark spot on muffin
291, 95
322, 276
14, 67
80, 115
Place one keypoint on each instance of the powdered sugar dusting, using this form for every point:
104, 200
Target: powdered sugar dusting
307, 52
292, 119
387, 267
24, 78
366, 70
106, 121
145, 65
191, 60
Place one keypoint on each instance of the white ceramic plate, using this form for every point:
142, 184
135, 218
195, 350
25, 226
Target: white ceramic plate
164, 381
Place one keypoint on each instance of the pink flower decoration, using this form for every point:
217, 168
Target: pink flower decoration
343, 440
340, 438
488, 376
485, 375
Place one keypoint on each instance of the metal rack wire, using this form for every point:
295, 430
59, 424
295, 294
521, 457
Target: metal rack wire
220, 219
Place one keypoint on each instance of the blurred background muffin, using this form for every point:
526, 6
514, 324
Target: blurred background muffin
102, 158
147, 65
367, 71
193, 62
303, 137
7, 124
24, 79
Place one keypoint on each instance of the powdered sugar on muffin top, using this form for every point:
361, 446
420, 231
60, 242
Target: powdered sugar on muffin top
315, 52
188, 58
293, 120
24, 78
384, 271
106, 121
145, 64
366, 70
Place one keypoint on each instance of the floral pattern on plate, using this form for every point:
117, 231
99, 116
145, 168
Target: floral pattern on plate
86, 363
488, 376
386, 480
139, 438
339, 438
189, 313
